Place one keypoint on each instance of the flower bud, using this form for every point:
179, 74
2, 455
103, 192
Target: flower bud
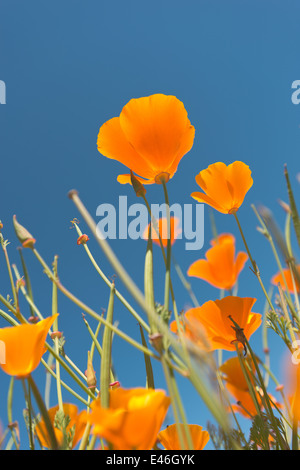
137, 185
23, 235
82, 239
90, 374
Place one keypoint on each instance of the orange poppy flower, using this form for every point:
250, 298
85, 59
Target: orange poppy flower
224, 186
213, 317
150, 137
278, 279
77, 425
237, 386
170, 440
133, 419
175, 231
24, 346
220, 268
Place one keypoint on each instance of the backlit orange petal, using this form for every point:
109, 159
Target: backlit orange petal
214, 317
278, 279
126, 179
24, 346
133, 418
155, 126
113, 144
239, 176
170, 440
201, 197
224, 186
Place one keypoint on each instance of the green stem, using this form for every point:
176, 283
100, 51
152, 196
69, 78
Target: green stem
168, 265
109, 284
44, 413
56, 339
105, 372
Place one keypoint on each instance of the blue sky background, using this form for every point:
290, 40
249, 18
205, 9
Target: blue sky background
69, 67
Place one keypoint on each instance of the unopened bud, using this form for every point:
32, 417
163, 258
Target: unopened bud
82, 239
156, 341
56, 334
90, 374
33, 319
23, 235
137, 185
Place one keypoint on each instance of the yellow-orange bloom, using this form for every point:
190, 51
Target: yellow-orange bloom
221, 267
133, 419
150, 137
278, 279
224, 186
77, 422
237, 386
175, 231
213, 317
24, 346
170, 440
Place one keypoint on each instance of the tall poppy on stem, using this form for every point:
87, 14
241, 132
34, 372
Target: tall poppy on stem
224, 187
221, 267
150, 137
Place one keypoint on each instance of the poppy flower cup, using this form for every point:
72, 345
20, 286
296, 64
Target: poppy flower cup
150, 137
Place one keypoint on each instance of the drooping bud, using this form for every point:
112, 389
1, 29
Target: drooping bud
23, 235
137, 185
1, 225
90, 374
82, 239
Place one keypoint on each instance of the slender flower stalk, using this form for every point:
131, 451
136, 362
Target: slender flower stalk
109, 283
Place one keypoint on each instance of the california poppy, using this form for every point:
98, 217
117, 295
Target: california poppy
221, 267
237, 386
24, 346
133, 419
278, 279
150, 137
162, 225
74, 429
170, 440
224, 186
213, 317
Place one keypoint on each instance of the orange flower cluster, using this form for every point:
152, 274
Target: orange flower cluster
150, 137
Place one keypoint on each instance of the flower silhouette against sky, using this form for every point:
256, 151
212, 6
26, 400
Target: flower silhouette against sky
224, 187
150, 137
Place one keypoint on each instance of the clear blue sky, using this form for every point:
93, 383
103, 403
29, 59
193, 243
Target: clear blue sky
70, 66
